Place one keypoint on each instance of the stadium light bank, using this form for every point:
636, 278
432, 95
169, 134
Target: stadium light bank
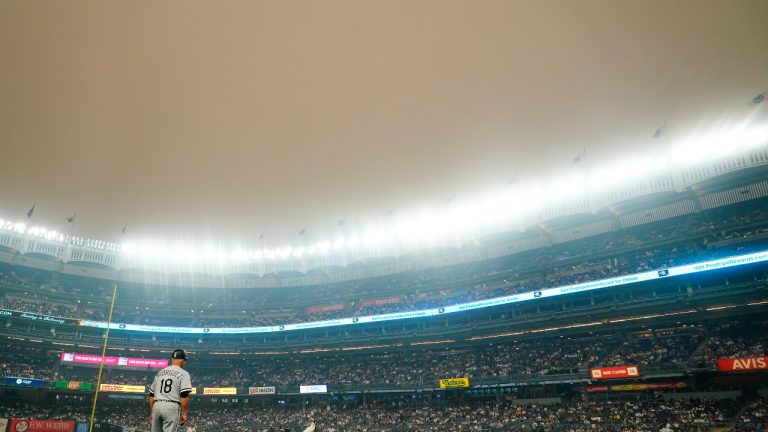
458, 222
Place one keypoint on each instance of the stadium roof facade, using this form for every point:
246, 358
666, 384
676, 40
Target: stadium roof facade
514, 221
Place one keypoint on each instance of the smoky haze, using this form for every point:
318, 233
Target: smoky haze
195, 119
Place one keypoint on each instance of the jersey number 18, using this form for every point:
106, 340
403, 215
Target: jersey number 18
166, 385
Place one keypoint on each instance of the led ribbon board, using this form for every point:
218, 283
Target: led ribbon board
114, 361
313, 389
735, 261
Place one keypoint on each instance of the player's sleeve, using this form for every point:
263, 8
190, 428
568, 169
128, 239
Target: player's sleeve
152, 387
186, 386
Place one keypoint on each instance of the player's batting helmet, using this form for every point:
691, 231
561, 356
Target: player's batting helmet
179, 354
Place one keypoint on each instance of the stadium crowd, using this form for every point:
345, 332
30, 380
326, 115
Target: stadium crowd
662, 350
712, 234
732, 339
642, 414
526, 358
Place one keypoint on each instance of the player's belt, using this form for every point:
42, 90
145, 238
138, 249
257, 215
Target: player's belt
179, 403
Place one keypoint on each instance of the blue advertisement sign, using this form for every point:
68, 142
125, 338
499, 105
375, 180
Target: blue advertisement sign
24, 382
82, 427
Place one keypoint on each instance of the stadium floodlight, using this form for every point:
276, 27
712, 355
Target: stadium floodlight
718, 144
285, 252
239, 255
323, 247
338, 244
572, 186
127, 249
353, 242
529, 198
458, 221
373, 238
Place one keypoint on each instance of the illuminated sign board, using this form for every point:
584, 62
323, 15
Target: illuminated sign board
261, 390
23, 382
757, 363
121, 388
735, 261
114, 361
219, 390
614, 372
37, 317
454, 382
313, 389
29, 425
638, 387
73, 385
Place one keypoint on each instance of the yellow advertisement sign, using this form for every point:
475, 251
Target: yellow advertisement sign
219, 390
122, 388
454, 382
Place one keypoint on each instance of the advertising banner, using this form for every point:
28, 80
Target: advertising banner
638, 387
381, 302
38, 317
313, 389
325, 308
261, 390
73, 385
27, 425
598, 389
454, 383
23, 382
121, 388
82, 427
114, 361
3, 424
533, 295
614, 372
742, 364
219, 390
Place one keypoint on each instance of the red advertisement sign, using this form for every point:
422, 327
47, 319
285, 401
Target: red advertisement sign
325, 308
598, 389
27, 425
114, 361
380, 302
614, 372
742, 364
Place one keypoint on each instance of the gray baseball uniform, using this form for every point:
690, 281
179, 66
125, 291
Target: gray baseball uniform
169, 386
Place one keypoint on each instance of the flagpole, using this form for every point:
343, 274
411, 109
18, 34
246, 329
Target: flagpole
72, 228
31, 211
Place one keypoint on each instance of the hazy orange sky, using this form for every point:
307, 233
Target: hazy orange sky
233, 118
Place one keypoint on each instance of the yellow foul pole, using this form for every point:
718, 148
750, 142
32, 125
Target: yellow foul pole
103, 353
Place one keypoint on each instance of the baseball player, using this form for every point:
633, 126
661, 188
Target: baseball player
169, 395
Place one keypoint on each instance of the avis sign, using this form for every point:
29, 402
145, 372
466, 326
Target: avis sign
742, 364
614, 372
